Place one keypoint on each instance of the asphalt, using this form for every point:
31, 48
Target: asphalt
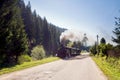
76, 68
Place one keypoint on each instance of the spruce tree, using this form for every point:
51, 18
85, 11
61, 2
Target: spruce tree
46, 36
103, 41
39, 31
117, 32
13, 41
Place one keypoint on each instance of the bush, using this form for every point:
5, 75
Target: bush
104, 48
24, 58
38, 52
93, 50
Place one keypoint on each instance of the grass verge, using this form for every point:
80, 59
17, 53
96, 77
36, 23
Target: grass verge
27, 65
109, 70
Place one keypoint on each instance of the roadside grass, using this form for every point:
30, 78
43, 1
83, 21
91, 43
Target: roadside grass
27, 65
110, 67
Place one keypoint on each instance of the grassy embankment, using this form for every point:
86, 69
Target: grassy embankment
27, 65
110, 67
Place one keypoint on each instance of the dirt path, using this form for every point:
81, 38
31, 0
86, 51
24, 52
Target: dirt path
78, 68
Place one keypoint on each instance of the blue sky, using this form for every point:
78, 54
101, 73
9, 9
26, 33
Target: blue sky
87, 16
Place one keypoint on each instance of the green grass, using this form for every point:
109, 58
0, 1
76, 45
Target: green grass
27, 65
110, 69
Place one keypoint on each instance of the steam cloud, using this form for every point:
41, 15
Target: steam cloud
75, 36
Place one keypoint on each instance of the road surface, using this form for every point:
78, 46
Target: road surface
77, 68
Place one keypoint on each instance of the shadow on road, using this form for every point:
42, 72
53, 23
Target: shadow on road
78, 57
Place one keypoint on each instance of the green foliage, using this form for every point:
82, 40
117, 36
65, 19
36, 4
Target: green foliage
38, 52
109, 46
21, 30
110, 64
117, 47
117, 32
103, 49
13, 39
24, 58
39, 31
111, 67
103, 41
93, 50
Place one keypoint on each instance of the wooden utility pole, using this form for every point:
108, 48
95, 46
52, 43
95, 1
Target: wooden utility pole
97, 43
97, 40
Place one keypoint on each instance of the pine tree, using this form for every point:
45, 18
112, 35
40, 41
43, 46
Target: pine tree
103, 41
117, 32
13, 41
46, 35
38, 30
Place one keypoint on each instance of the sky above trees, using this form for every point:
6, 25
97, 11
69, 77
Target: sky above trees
92, 17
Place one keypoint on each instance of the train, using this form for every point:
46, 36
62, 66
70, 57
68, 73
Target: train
67, 52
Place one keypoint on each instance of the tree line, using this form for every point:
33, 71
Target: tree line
107, 49
21, 29
107, 56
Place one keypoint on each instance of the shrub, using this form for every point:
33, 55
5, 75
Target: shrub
38, 52
24, 58
104, 48
93, 50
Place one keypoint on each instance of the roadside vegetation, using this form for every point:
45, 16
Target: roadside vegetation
24, 61
110, 67
27, 65
24, 35
26, 39
107, 56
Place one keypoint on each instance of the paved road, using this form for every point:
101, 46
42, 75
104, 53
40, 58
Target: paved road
77, 68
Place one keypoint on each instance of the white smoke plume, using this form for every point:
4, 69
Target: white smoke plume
75, 36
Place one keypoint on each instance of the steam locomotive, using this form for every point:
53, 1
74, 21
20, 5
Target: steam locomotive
66, 52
